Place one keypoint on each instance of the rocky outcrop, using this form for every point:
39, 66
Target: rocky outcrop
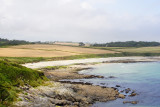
57, 94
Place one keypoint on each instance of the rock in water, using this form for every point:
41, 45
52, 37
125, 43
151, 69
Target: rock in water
121, 96
133, 94
132, 102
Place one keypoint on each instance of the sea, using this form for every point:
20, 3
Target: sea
143, 78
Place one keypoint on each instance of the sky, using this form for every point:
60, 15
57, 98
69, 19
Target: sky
80, 20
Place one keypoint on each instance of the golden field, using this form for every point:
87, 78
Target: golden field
42, 50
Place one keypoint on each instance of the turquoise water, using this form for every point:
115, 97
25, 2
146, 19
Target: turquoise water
144, 78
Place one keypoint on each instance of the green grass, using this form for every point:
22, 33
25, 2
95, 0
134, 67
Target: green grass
22, 60
140, 50
12, 76
155, 49
54, 67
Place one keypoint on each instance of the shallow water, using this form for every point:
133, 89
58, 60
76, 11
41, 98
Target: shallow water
144, 78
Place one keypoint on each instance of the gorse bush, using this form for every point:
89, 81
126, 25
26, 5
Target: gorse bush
12, 76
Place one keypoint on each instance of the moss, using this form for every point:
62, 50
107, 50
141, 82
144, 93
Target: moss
19, 99
12, 76
25, 93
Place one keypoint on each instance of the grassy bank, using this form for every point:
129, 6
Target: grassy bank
12, 76
22, 60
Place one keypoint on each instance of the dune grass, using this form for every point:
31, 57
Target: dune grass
12, 76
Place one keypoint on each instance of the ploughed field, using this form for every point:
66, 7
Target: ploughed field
41, 50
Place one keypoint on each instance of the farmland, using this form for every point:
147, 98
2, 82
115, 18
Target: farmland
132, 49
40, 50
140, 50
43, 52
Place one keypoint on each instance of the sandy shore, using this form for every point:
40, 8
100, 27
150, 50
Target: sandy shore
91, 60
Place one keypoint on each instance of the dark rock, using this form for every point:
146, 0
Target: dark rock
122, 91
133, 91
104, 87
127, 90
111, 77
118, 86
102, 83
114, 88
132, 102
94, 76
86, 83
61, 102
133, 94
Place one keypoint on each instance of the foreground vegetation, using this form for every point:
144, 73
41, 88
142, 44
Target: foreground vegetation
13, 76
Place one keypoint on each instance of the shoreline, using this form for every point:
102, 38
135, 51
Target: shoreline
71, 98
68, 94
90, 60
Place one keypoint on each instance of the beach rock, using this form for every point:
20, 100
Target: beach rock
127, 90
102, 83
118, 86
103, 86
132, 102
76, 103
61, 102
94, 76
114, 88
121, 96
133, 91
133, 94
111, 77
122, 91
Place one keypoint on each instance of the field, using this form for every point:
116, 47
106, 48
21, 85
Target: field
132, 49
40, 50
70, 43
140, 50
65, 43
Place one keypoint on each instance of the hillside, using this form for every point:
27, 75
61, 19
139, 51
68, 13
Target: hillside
12, 76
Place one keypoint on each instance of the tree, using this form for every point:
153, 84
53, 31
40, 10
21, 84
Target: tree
81, 44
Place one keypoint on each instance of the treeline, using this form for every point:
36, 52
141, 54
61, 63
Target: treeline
6, 42
128, 44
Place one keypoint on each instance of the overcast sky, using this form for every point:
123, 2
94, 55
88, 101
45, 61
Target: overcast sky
80, 20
